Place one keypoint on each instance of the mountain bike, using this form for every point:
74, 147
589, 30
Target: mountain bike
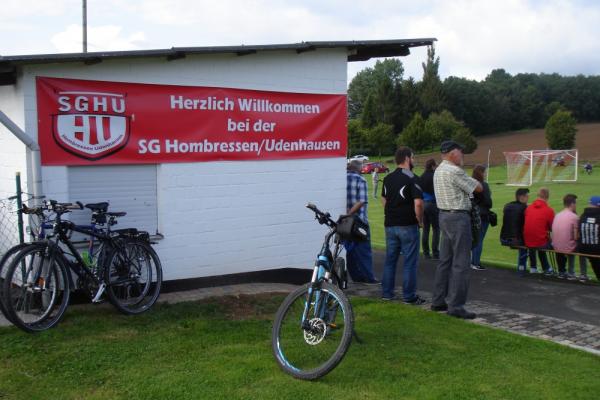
314, 325
39, 279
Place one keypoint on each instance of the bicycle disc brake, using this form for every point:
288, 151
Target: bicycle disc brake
316, 332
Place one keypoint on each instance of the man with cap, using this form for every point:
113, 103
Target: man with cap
359, 256
453, 189
589, 234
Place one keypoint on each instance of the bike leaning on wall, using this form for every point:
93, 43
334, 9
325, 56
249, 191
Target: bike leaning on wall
314, 325
119, 264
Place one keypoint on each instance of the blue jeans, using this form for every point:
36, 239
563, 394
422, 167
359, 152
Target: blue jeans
476, 252
522, 260
403, 239
359, 260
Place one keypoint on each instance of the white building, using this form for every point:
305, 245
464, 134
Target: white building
219, 216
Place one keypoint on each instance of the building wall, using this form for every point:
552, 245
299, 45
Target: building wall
227, 217
12, 151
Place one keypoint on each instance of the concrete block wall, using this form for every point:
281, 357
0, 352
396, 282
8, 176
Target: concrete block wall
227, 217
12, 152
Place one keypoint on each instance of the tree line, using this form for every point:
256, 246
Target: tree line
386, 110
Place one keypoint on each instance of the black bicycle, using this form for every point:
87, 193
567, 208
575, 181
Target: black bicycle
39, 278
314, 325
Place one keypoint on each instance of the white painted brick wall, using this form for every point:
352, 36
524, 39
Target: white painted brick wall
227, 217
12, 151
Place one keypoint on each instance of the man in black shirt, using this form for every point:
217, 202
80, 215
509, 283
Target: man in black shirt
511, 233
402, 200
589, 233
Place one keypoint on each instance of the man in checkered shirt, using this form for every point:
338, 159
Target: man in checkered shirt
452, 189
358, 254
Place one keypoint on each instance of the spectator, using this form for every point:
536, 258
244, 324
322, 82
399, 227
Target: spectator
359, 256
431, 213
484, 201
511, 233
589, 234
375, 179
536, 231
564, 236
402, 200
452, 190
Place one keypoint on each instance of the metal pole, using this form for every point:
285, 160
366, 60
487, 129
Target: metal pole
85, 26
487, 170
36, 165
19, 209
576, 163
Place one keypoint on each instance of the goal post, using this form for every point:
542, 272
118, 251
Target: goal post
523, 168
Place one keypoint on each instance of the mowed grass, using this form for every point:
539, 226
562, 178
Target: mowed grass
493, 252
220, 349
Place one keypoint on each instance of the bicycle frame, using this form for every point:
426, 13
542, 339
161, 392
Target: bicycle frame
323, 271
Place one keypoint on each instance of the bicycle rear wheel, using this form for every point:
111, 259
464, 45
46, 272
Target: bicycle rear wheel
36, 289
133, 275
313, 350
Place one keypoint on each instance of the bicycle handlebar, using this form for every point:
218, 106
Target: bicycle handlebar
324, 218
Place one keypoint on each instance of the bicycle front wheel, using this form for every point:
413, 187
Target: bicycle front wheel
312, 348
133, 275
4, 264
35, 289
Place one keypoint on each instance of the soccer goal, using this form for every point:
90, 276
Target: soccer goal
524, 168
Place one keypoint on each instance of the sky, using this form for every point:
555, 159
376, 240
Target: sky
473, 37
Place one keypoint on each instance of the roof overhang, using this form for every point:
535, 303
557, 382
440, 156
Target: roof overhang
357, 51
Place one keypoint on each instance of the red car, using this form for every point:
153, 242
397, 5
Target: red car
367, 168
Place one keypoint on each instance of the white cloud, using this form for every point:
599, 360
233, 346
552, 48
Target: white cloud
100, 38
474, 36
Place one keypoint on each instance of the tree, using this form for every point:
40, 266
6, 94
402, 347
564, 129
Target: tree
356, 138
381, 82
444, 126
368, 117
561, 130
412, 135
464, 137
432, 90
381, 138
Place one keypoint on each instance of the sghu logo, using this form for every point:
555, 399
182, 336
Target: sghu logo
91, 125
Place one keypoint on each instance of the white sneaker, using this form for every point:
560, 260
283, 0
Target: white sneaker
533, 271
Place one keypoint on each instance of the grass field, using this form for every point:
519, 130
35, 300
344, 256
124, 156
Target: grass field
493, 252
220, 349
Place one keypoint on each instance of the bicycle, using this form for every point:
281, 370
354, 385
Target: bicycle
314, 325
39, 279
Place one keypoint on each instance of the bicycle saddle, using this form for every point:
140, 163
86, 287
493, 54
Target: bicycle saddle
116, 214
99, 207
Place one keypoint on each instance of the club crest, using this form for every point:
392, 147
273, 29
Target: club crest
91, 125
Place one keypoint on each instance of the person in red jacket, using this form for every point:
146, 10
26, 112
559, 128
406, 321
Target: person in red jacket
536, 232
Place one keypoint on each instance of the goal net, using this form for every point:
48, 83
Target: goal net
524, 168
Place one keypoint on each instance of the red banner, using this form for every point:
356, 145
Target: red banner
94, 122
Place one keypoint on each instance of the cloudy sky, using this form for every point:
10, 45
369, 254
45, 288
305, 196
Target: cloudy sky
474, 37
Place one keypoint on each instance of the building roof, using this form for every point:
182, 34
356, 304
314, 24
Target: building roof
357, 51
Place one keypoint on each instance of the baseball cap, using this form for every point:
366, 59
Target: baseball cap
449, 145
595, 200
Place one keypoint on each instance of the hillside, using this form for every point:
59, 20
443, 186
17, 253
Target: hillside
588, 144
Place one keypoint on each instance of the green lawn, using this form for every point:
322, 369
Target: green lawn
493, 252
220, 349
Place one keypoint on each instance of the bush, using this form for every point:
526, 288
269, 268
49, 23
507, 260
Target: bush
561, 130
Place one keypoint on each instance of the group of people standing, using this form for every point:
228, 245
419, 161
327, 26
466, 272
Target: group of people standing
441, 201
